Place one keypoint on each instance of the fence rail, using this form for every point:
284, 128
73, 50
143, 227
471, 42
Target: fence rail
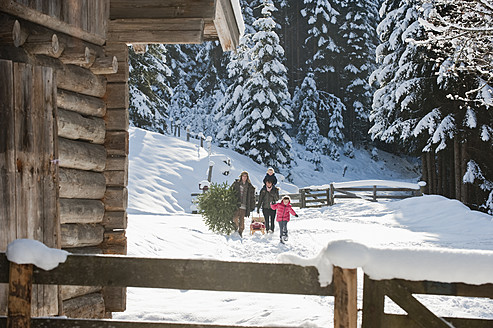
183, 274
123, 271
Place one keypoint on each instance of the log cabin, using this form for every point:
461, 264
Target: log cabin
64, 122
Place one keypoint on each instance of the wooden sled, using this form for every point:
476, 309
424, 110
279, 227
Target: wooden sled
257, 225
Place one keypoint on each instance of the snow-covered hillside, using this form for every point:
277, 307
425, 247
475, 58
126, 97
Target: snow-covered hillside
165, 170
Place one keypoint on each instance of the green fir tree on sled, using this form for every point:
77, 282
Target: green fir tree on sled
217, 206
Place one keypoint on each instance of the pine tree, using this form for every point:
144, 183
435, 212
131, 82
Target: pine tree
358, 34
323, 43
240, 69
308, 131
149, 88
217, 206
407, 89
261, 124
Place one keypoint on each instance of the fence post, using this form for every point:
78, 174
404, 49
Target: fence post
373, 303
332, 191
302, 198
374, 193
188, 132
329, 196
20, 294
346, 298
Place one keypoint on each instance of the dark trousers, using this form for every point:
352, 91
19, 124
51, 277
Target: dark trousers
283, 226
269, 216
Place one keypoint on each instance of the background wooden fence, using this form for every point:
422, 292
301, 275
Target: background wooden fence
319, 197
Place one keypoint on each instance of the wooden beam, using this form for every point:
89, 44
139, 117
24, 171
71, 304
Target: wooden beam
77, 56
124, 271
162, 9
89, 306
105, 65
346, 298
68, 292
11, 32
81, 184
172, 31
20, 295
81, 155
81, 235
80, 80
82, 104
116, 143
44, 44
72, 125
81, 211
114, 242
117, 95
415, 310
20, 10
115, 220
226, 25
117, 119
115, 198
373, 303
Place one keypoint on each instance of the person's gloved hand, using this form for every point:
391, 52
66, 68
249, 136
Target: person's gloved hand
296, 215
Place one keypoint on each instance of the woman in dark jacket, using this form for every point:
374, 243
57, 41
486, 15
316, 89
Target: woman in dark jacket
268, 195
245, 192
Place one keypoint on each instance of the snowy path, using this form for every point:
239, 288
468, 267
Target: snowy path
392, 224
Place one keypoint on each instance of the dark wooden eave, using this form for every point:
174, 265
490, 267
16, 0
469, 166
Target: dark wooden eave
173, 21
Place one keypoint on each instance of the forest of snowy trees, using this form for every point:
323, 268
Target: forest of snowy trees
411, 76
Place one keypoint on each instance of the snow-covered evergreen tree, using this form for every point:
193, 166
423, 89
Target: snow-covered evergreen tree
180, 105
240, 69
150, 92
261, 123
334, 108
358, 35
309, 100
323, 43
405, 77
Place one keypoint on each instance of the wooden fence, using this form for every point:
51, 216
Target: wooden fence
319, 197
186, 274
401, 292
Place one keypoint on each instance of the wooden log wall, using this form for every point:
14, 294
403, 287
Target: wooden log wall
91, 189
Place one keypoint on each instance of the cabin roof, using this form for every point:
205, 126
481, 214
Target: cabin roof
138, 22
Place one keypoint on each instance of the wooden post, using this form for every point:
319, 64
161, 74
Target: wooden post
374, 193
20, 294
302, 198
332, 196
188, 133
209, 175
373, 303
328, 196
346, 298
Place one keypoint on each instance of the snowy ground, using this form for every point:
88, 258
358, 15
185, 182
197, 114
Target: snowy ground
162, 171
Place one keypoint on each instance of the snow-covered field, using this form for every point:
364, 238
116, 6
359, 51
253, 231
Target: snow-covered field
165, 170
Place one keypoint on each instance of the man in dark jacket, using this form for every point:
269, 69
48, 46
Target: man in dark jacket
268, 195
245, 192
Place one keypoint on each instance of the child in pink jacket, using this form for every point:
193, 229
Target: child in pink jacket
284, 211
